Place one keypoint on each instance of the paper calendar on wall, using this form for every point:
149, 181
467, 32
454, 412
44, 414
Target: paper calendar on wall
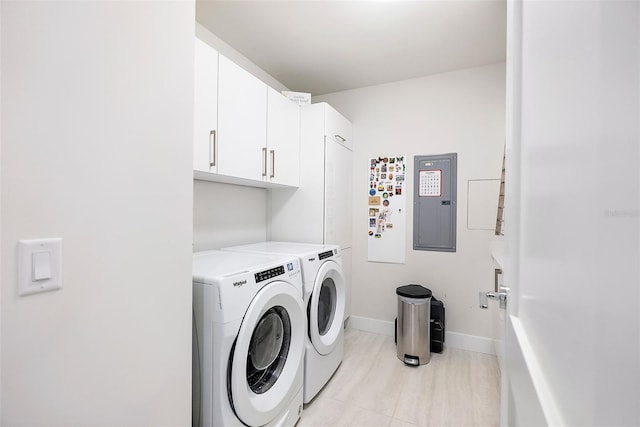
430, 183
386, 209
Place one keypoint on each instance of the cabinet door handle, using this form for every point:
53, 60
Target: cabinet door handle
264, 161
339, 138
212, 145
273, 164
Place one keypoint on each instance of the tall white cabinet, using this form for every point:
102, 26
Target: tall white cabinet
320, 211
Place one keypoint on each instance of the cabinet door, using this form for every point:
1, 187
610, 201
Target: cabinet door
205, 107
337, 127
347, 259
283, 139
338, 175
242, 122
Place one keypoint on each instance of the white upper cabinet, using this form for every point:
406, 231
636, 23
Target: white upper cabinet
233, 143
242, 123
205, 107
283, 140
337, 127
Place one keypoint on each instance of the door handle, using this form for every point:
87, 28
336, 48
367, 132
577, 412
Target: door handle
264, 161
273, 164
500, 296
212, 144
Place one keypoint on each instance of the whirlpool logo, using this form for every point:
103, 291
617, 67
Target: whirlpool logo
239, 283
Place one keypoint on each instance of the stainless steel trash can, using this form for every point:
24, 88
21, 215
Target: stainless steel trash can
413, 326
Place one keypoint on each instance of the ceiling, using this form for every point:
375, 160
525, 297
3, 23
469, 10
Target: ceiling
329, 46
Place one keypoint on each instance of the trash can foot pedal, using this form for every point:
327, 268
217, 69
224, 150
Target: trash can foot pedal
411, 360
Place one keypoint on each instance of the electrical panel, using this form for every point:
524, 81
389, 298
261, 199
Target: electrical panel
435, 202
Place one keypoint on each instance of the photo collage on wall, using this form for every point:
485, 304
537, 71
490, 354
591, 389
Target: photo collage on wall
386, 182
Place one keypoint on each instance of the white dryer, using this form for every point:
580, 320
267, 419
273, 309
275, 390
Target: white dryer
324, 298
249, 328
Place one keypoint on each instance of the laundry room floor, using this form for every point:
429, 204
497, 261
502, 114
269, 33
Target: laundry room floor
372, 388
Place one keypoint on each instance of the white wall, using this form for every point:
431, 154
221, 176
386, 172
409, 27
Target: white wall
97, 125
459, 112
227, 215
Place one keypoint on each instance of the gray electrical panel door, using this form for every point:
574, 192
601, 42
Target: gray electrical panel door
434, 202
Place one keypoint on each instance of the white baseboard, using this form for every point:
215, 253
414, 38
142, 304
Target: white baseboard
381, 327
452, 339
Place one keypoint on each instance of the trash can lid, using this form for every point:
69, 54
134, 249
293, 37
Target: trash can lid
413, 291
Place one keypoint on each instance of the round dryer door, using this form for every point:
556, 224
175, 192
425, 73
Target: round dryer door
266, 364
326, 307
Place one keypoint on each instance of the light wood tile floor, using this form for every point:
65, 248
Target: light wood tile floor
373, 388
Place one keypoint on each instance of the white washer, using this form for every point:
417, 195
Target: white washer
249, 327
324, 299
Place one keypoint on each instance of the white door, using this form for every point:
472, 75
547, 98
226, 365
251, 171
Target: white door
242, 122
283, 139
347, 258
205, 113
267, 362
338, 176
572, 214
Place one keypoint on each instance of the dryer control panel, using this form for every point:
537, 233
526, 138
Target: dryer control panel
325, 255
261, 276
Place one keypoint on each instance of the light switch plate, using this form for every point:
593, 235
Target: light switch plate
47, 271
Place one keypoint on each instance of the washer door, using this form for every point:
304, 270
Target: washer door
265, 368
326, 307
